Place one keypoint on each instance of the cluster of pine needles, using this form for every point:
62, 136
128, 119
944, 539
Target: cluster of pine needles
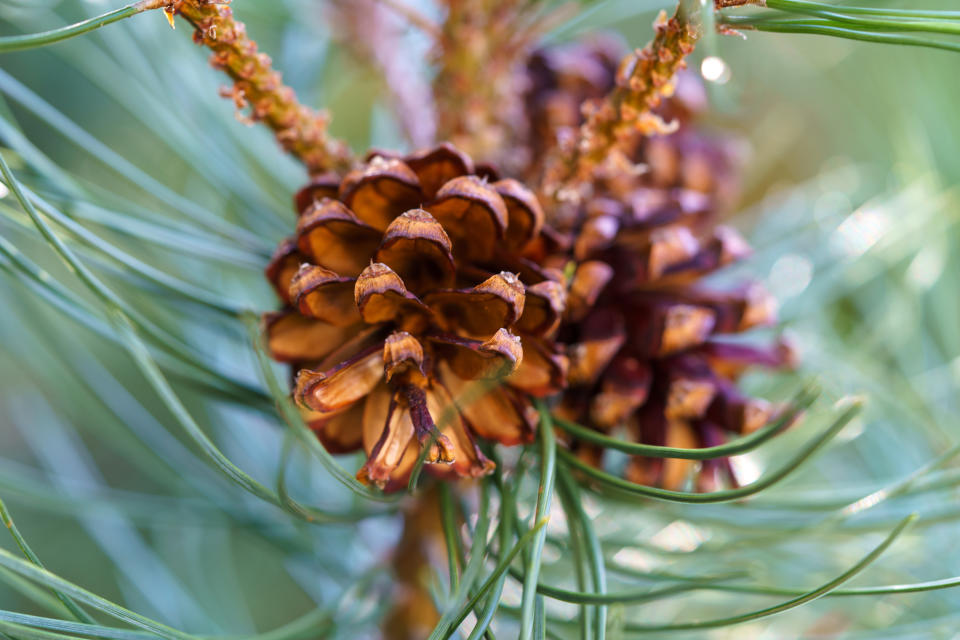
164, 485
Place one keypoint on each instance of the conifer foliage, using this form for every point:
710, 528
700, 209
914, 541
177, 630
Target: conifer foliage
520, 377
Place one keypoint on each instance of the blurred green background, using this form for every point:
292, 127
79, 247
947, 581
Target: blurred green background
850, 177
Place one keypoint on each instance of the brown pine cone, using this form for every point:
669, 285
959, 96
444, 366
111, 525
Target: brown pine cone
414, 316
640, 327
641, 330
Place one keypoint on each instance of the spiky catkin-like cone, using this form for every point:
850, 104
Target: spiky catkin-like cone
417, 327
611, 123
301, 130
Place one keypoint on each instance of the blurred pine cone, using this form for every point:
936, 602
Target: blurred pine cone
412, 326
640, 326
559, 80
641, 331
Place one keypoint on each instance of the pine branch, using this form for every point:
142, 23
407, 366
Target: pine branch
300, 130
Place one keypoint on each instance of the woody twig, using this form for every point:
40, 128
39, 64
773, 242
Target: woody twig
300, 130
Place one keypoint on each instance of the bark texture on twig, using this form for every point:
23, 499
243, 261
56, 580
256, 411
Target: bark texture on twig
300, 130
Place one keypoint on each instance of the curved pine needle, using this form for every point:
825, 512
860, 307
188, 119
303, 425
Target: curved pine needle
804, 597
453, 618
28, 552
54, 293
890, 12
548, 459
20, 632
800, 402
213, 158
141, 355
504, 529
827, 28
30, 627
880, 590
313, 515
190, 210
595, 560
111, 302
727, 495
35, 594
577, 547
882, 23
500, 569
624, 596
455, 558
145, 226
310, 624
133, 265
809, 596
157, 380
42, 576
33, 40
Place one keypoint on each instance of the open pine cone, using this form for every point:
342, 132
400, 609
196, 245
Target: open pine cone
640, 327
414, 315
641, 330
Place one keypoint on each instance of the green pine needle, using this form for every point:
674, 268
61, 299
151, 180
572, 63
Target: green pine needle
30, 41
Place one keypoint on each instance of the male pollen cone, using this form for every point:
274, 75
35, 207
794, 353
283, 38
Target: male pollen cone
414, 314
640, 326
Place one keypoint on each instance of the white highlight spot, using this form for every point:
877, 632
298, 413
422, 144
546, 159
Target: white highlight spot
745, 469
636, 559
927, 267
714, 69
679, 535
3, 190
861, 230
790, 275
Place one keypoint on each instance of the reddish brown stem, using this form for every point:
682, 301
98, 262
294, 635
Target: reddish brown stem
413, 614
299, 129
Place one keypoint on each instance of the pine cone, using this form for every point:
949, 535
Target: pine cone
415, 327
640, 328
642, 331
